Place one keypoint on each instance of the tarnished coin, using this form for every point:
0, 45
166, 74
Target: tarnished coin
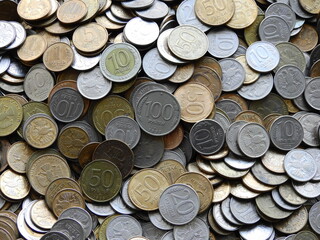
290, 55
244, 211
145, 188
250, 181
296, 222
315, 154
214, 13
174, 139
262, 56
151, 232
314, 214
273, 161
223, 169
120, 62
79, 11
55, 235
197, 228
232, 136
101, 180
100, 209
310, 93
11, 115
58, 57
310, 6
123, 227
70, 227
262, 231
233, 74
307, 189
207, 137
299, 10
288, 193
279, 200
8, 34
188, 42
157, 10
244, 15
226, 212
280, 33
266, 176
179, 204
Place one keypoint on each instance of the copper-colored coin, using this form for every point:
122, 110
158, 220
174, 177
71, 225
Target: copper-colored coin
68, 74
18, 155
249, 116
56, 186
237, 98
145, 188
14, 186
85, 155
182, 74
201, 185
171, 169
32, 10
41, 215
221, 192
306, 39
58, 57
65, 199
173, 139
315, 69
214, 12
90, 37
196, 102
311, 6
32, 48
246, 12
211, 63
72, 11
251, 75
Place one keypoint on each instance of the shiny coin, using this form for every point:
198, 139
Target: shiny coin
14, 186
221, 220
8, 34
33, 10
79, 11
233, 74
123, 227
237, 162
262, 231
11, 115
226, 212
194, 229
175, 197
188, 42
284, 11
254, 184
244, 211
20, 35
82, 63
55, 235
120, 62
58, 57
299, 10
251, 75
156, 11
4, 63
244, 15
310, 128
281, 32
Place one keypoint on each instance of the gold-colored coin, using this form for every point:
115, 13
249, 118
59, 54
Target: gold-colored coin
306, 39
195, 100
182, 74
71, 140
251, 33
65, 199
241, 191
171, 169
72, 11
211, 63
219, 155
58, 57
251, 75
32, 10
120, 87
251, 182
290, 105
237, 98
59, 28
214, 13
32, 48
68, 74
224, 170
204, 165
106, 23
274, 161
93, 8
40, 131
173, 139
201, 185
249, 116
193, 167
90, 37
246, 12
10, 115
21, 99
46, 168
221, 192
10, 79
41, 215
50, 38
18, 155
311, 6
315, 69
10, 226
13, 185
267, 120
103, 227
145, 188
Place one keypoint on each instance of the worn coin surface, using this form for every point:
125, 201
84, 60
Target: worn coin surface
244, 15
72, 11
233, 74
58, 57
197, 228
11, 115
123, 227
244, 211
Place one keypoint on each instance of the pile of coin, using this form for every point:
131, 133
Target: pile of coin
159, 120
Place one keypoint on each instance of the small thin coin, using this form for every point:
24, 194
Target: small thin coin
305, 235
307, 189
221, 220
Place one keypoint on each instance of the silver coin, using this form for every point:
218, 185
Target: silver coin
223, 120
2, 202
158, 221
8, 34
307, 189
114, 19
156, 67
93, 85
226, 212
253, 140
310, 123
125, 57
168, 236
286, 133
80, 215
290, 55
123, 227
4, 63
19, 88
174, 155
140, 32
283, 1
23, 228
196, 229
55, 235
186, 148
125, 129
284, 11
163, 48
299, 22
244, 211
71, 227
230, 107
261, 231
158, 113
262, 56
151, 232
125, 195
240, 163
17, 69
102, 210
223, 42
65, 40
156, 11
314, 215
186, 15
232, 136
233, 74
310, 93
207, 137
259, 89
315, 153
241, 50
83, 63
289, 81
137, 4
281, 202
297, 8
301, 103
221, 220
20, 35
295, 32
179, 204
288, 193
119, 205
28, 220
149, 151
300, 165
266, 176
274, 29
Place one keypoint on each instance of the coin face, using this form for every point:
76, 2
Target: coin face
32, 48
11, 115
71, 227
281, 27
244, 211
33, 9
314, 213
310, 95
244, 15
42, 216
233, 74
122, 223
14, 186
196, 228
58, 57
79, 11
8, 34
120, 62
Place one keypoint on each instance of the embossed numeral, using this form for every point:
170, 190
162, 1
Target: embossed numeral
119, 59
156, 110
213, 6
99, 177
150, 184
182, 202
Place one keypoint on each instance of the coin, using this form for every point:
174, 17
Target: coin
284, 11
294, 223
251, 33
171, 169
305, 235
17, 156
14, 186
254, 184
244, 15
244, 211
151, 232
290, 55
313, 215
273, 161
310, 6
70, 227
223, 169
288, 193
33, 10
171, 200
173, 139
8, 34
79, 11
250, 75
282, 30
118, 227
233, 74
158, 221
196, 228
32, 48
305, 39
41, 215
307, 189
261, 230
58, 57
266, 176
4, 63
310, 136
55, 235
11, 115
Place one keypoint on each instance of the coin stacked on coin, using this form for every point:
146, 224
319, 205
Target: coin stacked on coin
149, 119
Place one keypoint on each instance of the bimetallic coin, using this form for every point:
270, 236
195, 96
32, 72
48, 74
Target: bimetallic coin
280, 30
123, 227
233, 74
120, 62
244, 211
207, 137
179, 204
197, 228
11, 115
